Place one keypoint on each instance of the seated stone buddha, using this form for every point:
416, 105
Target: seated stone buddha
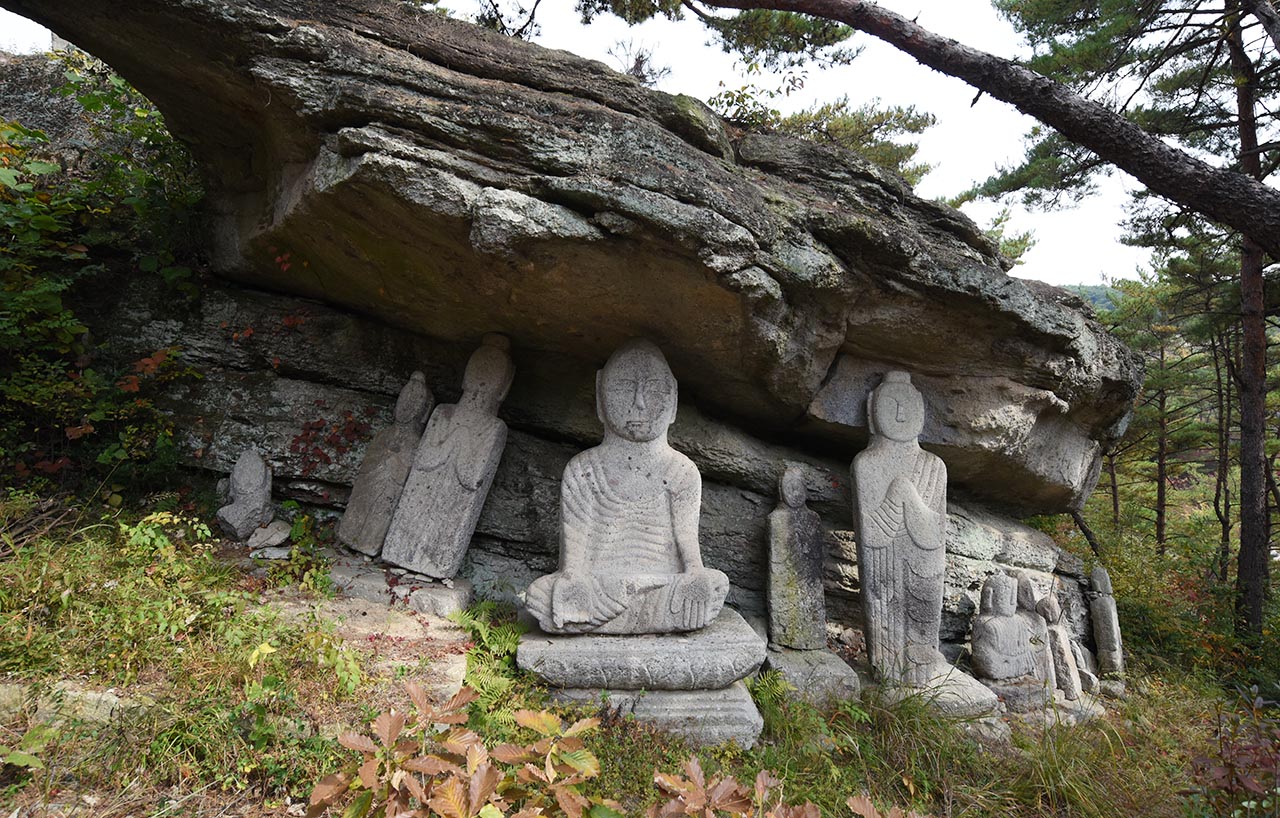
630, 561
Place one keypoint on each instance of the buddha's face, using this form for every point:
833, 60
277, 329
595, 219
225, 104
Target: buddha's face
636, 394
792, 487
898, 411
1004, 599
487, 377
412, 404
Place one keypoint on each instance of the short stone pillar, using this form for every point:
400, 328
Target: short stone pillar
1106, 631
250, 493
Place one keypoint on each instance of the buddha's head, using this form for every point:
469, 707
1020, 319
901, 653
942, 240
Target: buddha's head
895, 408
1050, 609
1000, 595
1026, 592
636, 392
414, 401
1101, 580
489, 374
791, 486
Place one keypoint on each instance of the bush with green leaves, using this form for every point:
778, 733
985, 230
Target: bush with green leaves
66, 224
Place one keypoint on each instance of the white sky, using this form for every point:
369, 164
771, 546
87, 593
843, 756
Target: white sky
1076, 246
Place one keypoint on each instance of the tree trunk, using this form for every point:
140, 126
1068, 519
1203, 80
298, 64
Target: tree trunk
1115, 490
1162, 459
1225, 196
1253, 564
1266, 14
1220, 346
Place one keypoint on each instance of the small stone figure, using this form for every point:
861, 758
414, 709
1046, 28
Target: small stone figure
630, 561
1001, 638
1064, 660
1039, 629
250, 505
383, 472
900, 507
1106, 625
453, 469
797, 608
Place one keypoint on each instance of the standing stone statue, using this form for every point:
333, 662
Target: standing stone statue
1064, 659
1106, 624
384, 469
900, 506
1039, 629
453, 469
797, 548
250, 505
1001, 639
630, 561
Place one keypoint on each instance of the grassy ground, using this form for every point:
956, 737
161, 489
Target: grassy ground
146, 606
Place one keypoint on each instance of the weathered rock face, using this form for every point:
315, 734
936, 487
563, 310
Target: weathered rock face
451, 182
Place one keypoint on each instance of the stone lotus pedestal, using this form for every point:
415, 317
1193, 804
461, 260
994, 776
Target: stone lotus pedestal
686, 683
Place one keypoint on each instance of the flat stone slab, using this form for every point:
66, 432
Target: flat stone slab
433, 597
712, 658
953, 693
702, 717
817, 675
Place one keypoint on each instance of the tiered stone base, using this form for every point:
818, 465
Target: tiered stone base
688, 683
702, 717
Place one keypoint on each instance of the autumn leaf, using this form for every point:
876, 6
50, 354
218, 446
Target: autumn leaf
540, 721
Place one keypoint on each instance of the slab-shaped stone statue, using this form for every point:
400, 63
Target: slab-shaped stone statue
1106, 624
1001, 639
1064, 659
452, 470
900, 502
383, 471
797, 548
250, 493
630, 561
1027, 601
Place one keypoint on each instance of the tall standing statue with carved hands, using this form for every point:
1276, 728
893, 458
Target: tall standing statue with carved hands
630, 561
900, 503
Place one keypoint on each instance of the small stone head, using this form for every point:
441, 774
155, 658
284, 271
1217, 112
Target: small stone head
1101, 581
896, 408
414, 402
999, 595
489, 373
636, 393
250, 473
791, 488
1050, 609
1026, 592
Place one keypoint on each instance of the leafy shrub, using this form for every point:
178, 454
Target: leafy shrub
65, 222
1242, 777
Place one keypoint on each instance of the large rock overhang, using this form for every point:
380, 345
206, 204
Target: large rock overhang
450, 181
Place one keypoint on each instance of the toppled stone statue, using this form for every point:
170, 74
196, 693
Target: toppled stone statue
1064, 660
1106, 624
453, 469
250, 492
797, 609
629, 556
383, 471
1039, 629
900, 502
1001, 638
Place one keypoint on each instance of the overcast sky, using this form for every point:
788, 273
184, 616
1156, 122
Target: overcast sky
1076, 246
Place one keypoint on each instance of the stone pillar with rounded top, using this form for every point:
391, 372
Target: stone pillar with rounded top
385, 467
797, 604
250, 492
899, 514
453, 468
632, 608
1106, 631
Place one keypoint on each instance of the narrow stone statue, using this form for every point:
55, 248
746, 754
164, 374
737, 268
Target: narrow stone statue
797, 548
1064, 659
1039, 629
453, 469
1106, 624
383, 471
630, 561
1001, 639
250, 492
900, 503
